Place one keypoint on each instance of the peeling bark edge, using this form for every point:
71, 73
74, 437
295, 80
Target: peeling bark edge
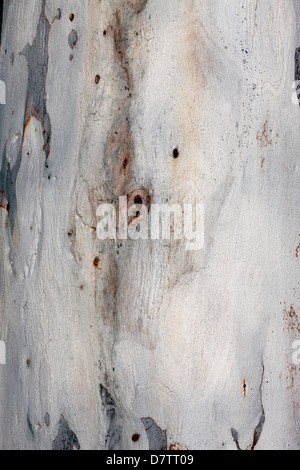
156, 436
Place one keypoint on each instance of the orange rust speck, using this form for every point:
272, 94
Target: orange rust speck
96, 262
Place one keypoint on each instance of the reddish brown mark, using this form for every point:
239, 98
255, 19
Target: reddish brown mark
264, 137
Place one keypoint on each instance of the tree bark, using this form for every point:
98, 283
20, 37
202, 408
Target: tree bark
143, 344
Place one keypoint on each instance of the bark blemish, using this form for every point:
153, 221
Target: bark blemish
73, 39
113, 420
65, 439
297, 71
47, 419
297, 250
259, 428
291, 320
37, 60
175, 153
139, 196
156, 436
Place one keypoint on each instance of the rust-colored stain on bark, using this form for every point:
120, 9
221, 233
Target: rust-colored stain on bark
3, 201
96, 262
178, 446
298, 250
264, 137
119, 153
244, 388
291, 320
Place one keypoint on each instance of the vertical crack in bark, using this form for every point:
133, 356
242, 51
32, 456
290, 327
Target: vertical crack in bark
119, 148
259, 428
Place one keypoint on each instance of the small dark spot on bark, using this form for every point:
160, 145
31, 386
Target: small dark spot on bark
138, 199
175, 153
71, 57
30, 427
104, 33
97, 79
71, 17
135, 437
96, 262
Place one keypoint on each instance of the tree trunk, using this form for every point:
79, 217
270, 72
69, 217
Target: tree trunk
142, 344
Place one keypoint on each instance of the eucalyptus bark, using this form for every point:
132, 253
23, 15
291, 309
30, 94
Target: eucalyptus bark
143, 344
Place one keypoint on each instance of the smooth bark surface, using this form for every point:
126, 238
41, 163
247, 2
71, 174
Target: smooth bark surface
143, 344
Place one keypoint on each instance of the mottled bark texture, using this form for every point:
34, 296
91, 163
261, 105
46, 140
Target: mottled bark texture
142, 344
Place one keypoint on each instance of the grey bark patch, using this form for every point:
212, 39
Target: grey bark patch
113, 438
8, 178
37, 59
47, 419
73, 38
66, 439
258, 430
30, 426
235, 436
156, 436
297, 71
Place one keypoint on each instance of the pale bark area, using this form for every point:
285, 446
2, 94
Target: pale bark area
155, 338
